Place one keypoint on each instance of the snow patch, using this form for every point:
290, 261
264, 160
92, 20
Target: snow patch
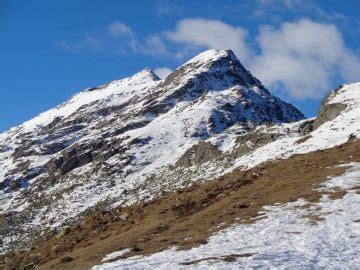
115, 254
283, 239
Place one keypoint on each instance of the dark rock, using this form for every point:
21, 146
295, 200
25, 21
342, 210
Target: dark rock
252, 140
49, 149
352, 137
136, 249
69, 165
66, 259
130, 127
306, 127
54, 164
198, 154
24, 150
53, 123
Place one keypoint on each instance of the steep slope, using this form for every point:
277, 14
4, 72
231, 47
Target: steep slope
124, 144
293, 211
187, 217
104, 144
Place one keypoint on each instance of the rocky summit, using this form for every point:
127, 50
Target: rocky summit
101, 164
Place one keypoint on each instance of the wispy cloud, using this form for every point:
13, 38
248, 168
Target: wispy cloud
170, 8
154, 45
88, 43
163, 72
200, 33
299, 58
119, 29
276, 10
117, 38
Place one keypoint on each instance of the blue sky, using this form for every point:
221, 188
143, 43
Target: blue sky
51, 50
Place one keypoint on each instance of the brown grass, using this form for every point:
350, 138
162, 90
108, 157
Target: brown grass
186, 218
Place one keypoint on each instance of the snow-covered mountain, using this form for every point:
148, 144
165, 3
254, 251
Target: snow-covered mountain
135, 139
106, 140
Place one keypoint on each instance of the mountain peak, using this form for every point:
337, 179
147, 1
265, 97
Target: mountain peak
131, 138
145, 74
218, 69
212, 55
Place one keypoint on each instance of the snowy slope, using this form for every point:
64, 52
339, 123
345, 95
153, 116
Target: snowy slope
284, 238
122, 142
114, 93
333, 132
329, 134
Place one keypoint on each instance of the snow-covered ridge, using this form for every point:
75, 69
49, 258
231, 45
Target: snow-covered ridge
218, 68
347, 94
143, 79
211, 55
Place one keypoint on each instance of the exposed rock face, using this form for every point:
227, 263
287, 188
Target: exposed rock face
199, 153
328, 110
253, 140
104, 144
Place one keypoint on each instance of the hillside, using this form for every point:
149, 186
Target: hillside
207, 158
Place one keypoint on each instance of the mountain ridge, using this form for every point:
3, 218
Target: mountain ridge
131, 140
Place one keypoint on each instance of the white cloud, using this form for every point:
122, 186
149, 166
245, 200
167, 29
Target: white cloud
303, 57
88, 42
117, 29
154, 45
201, 33
122, 35
350, 66
163, 72
124, 38
117, 38
299, 59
